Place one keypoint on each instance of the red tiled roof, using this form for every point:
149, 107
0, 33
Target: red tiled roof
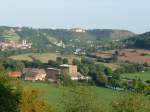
15, 74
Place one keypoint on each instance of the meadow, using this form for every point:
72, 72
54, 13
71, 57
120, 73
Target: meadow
142, 75
43, 57
53, 93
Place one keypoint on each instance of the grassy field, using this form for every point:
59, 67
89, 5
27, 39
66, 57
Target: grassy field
11, 36
113, 66
53, 94
143, 76
44, 57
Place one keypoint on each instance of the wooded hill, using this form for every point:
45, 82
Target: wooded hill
45, 38
140, 41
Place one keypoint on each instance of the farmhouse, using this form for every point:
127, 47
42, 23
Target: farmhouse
60, 44
79, 52
34, 74
15, 74
52, 74
71, 70
78, 30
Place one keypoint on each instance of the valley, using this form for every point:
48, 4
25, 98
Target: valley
105, 64
75, 56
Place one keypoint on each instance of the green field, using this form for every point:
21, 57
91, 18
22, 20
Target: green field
143, 76
11, 36
44, 57
113, 66
53, 94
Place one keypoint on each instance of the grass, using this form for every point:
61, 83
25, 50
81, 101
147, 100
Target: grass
11, 36
53, 94
44, 57
143, 76
113, 66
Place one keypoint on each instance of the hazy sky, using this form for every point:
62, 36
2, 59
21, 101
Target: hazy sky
133, 15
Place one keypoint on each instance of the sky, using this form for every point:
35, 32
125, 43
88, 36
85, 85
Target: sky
131, 15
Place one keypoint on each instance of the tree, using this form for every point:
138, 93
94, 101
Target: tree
125, 85
113, 83
108, 71
1, 69
32, 102
116, 76
87, 61
84, 70
59, 60
138, 85
53, 63
139, 67
66, 80
115, 56
76, 62
10, 94
103, 80
131, 102
65, 61
13, 65
99, 79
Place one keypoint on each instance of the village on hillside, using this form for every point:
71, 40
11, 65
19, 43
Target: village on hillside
49, 74
14, 45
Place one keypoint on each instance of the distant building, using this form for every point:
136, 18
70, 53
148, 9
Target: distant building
78, 30
24, 45
70, 70
34, 74
52, 74
15, 74
60, 44
15, 45
79, 52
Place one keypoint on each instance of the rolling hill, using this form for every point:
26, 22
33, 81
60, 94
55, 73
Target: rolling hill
47, 38
140, 41
111, 34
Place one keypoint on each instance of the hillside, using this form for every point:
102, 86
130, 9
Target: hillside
111, 34
140, 41
51, 38
53, 95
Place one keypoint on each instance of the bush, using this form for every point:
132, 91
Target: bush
10, 94
32, 102
131, 102
66, 80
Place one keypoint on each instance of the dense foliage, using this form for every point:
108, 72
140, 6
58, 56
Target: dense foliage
140, 41
15, 98
131, 103
9, 95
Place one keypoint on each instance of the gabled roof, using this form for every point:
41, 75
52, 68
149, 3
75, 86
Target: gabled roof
64, 65
52, 69
33, 71
15, 74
